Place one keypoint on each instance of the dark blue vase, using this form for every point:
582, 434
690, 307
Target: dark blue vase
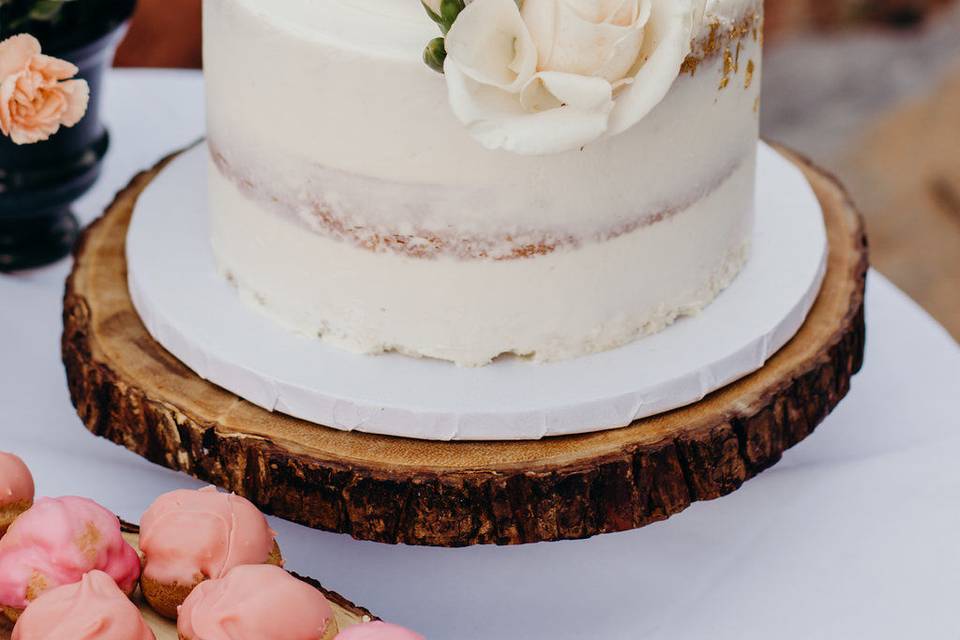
39, 182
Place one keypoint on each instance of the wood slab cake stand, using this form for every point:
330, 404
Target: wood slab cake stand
128, 389
345, 612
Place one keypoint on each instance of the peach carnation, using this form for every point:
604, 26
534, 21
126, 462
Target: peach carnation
36, 95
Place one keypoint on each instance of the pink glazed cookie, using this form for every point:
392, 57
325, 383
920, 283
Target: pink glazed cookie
253, 602
16, 489
190, 536
378, 631
92, 609
55, 542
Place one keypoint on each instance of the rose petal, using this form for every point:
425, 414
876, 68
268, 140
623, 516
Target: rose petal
623, 55
471, 100
547, 132
16, 52
582, 63
554, 89
497, 120
666, 44
490, 43
540, 17
618, 12
629, 12
569, 42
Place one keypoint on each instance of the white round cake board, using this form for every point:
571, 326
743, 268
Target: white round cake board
190, 309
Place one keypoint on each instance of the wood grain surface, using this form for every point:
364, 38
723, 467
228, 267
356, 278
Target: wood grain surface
129, 389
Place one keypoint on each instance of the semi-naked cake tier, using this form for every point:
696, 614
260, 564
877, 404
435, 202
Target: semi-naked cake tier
351, 203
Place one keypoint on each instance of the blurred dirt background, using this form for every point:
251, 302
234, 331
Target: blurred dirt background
870, 89
875, 97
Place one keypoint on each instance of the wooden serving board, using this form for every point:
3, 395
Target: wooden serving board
346, 613
127, 388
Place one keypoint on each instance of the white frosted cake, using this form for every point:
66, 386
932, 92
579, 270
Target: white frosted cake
571, 175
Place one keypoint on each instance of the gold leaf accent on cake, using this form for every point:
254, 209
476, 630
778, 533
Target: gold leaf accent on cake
690, 66
729, 68
751, 68
722, 38
712, 45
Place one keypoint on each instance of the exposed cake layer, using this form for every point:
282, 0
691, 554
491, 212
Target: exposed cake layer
550, 307
409, 236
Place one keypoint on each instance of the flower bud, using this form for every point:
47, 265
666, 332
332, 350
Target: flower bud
435, 54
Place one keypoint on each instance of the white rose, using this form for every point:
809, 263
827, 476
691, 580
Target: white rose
587, 37
558, 74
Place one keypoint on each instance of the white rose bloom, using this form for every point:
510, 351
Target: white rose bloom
558, 74
587, 37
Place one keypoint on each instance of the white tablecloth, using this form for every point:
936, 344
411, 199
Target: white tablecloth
853, 535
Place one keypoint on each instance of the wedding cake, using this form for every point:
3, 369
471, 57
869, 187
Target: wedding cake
465, 179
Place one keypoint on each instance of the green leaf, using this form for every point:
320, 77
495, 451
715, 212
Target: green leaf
433, 16
435, 54
46, 10
26, 12
449, 10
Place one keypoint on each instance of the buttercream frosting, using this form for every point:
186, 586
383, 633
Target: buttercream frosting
370, 217
470, 311
187, 535
253, 602
378, 630
92, 609
16, 482
56, 542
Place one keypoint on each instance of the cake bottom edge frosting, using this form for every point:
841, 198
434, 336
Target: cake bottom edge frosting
607, 338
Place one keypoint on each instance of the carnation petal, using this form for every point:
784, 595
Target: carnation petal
77, 93
52, 107
53, 68
16, 52
35, 133
7, 88
491, 44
